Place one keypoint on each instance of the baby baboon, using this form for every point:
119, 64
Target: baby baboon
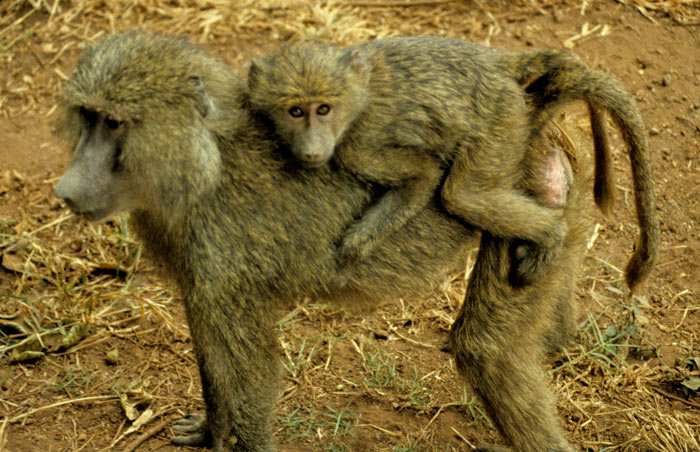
407, 110
237, 226
398, 111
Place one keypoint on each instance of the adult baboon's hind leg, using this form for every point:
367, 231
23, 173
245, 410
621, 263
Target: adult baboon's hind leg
497, 341
502, 332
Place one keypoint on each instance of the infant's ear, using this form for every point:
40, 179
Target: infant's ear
358, 61
205, 105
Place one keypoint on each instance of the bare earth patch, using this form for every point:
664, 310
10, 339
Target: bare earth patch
95, 351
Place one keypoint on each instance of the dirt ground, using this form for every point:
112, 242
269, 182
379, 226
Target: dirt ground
94, 348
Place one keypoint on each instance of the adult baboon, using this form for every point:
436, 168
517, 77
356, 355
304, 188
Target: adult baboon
233, 223
237, 225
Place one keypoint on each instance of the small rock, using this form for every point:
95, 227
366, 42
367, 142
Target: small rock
20, 245
17, 176
557, 15
666, 80
112, 356
654, 131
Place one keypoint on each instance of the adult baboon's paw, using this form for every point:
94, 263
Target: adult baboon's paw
194, 431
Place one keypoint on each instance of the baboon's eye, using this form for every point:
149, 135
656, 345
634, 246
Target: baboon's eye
296, 112
112, 123
88, 115
323, 109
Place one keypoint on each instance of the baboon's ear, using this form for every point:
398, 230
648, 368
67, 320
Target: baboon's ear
359, 62
253, 74
204, 105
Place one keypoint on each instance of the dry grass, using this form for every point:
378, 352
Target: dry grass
59, 274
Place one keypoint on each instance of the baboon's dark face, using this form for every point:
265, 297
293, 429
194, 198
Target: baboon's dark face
94, 185
141, 133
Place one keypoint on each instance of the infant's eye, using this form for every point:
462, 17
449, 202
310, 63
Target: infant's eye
296, 112
323, 109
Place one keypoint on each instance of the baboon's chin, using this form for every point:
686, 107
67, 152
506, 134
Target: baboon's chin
94, 216
314, 164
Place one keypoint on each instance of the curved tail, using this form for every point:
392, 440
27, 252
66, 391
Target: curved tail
554, 77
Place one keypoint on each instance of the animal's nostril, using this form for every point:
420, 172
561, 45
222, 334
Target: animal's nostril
67, 189
69, 202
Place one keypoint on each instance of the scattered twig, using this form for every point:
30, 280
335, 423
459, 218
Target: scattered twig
463, 438
17, 22
57, 404
390, 4
3, 437
412, 341
680, 399
53, 223
145, 436
383, 430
